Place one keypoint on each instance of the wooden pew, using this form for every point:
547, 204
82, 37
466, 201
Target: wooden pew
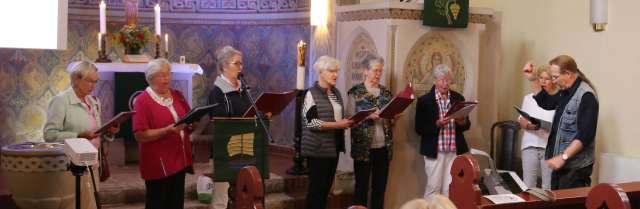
249, 189
465, 193
609, 195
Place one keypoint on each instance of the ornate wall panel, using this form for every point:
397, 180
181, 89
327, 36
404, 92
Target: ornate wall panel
204, 6
431, 50
30, 78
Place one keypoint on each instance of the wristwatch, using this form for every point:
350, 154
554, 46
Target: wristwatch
565, 156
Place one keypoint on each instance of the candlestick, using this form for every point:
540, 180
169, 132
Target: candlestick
302, 47
156, 10
157, 42
298, 167
102, 46
103, 17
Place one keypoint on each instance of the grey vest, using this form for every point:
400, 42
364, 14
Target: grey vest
323, 143
568, 128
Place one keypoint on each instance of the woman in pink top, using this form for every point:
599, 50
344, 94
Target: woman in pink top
165, 150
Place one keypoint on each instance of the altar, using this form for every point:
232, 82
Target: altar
119, 80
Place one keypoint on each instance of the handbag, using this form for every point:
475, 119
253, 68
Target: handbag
104, 163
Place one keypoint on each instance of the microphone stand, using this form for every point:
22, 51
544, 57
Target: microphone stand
259, 116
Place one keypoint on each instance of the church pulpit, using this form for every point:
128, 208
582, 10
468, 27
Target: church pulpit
464, 192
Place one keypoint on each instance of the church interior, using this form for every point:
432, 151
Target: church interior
485, 55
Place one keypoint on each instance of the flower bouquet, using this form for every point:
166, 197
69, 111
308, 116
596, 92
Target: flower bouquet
133, 38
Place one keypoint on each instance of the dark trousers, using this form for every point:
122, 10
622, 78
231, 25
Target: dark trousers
566, 178
166, 193
321, 174
377, 168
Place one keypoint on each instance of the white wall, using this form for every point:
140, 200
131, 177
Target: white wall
538, 30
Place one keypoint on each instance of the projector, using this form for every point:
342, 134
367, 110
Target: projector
80, 152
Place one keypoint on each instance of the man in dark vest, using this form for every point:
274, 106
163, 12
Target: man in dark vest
571, 145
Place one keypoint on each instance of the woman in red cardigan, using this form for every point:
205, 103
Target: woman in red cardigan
165, 150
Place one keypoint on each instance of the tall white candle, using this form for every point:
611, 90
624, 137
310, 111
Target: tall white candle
99, 41
302, 47
166, 42
156, 10
300, 78
103, 17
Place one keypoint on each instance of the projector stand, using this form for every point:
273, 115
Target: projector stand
77, 171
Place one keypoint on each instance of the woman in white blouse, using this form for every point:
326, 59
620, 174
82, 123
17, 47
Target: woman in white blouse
534, 138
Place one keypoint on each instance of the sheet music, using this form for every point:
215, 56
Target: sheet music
504, 198
463, 112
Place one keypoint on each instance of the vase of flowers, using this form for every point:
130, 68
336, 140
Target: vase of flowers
133, 38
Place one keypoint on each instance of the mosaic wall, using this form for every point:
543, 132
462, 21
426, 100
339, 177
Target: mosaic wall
30, 78
205, 6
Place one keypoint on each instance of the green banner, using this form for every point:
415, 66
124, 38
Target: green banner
237, 143
446, 13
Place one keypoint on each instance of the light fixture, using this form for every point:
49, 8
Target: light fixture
599, 14
319, 12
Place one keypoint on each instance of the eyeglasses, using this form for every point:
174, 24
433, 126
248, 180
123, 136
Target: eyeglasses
238, 63
444, 81
555, 77
545, 78
91, 81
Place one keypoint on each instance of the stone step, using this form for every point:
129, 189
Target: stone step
133, 190
298, 200
272, 201
188, 204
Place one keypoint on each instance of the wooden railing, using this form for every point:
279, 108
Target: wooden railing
465, 193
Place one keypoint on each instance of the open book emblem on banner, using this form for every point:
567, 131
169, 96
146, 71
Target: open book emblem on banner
241, 144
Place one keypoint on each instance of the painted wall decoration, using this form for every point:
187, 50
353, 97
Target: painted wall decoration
431, 50
361, 46
30, 78
200, 6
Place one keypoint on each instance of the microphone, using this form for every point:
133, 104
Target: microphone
243, 82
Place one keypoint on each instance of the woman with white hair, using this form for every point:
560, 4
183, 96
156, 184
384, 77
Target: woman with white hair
232, 100
164, 149
372, 138
442, 138
227, 91
431, 202
323, 130
74, 113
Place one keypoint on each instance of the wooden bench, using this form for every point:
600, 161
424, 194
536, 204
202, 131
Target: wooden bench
464, 192
249, 189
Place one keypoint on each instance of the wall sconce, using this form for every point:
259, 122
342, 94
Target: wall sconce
599, 14
319, 12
